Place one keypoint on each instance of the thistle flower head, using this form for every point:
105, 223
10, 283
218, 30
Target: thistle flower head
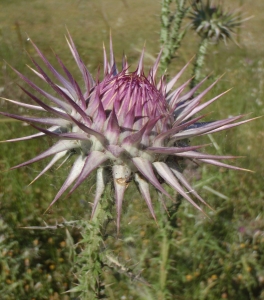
126, 123
212, 22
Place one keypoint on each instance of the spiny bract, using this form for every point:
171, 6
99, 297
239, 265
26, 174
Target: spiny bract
126, 123
212, 22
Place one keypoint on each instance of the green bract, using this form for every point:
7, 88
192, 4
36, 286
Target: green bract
210, 21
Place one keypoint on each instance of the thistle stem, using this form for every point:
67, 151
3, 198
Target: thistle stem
90, 262
199, 62
165, 32
164, 254
171, 34
168, 225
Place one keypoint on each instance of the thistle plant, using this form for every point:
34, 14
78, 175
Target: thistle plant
127, 127
213, 25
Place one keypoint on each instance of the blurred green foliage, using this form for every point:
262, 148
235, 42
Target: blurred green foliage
212, 259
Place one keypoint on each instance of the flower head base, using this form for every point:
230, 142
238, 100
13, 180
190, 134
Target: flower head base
210, 21
126, 123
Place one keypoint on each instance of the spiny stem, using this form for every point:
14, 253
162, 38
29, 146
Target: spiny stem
165, 32
164, 253
90, 262
171, 34
168, 225
165, 21
199, 62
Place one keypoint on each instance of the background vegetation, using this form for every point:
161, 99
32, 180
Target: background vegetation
220, 258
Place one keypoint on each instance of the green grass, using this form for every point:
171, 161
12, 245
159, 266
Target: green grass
220, 258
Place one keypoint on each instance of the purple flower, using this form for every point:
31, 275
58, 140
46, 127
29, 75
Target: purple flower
126, 123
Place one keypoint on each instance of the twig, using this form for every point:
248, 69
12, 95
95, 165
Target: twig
53, 227
120, 268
